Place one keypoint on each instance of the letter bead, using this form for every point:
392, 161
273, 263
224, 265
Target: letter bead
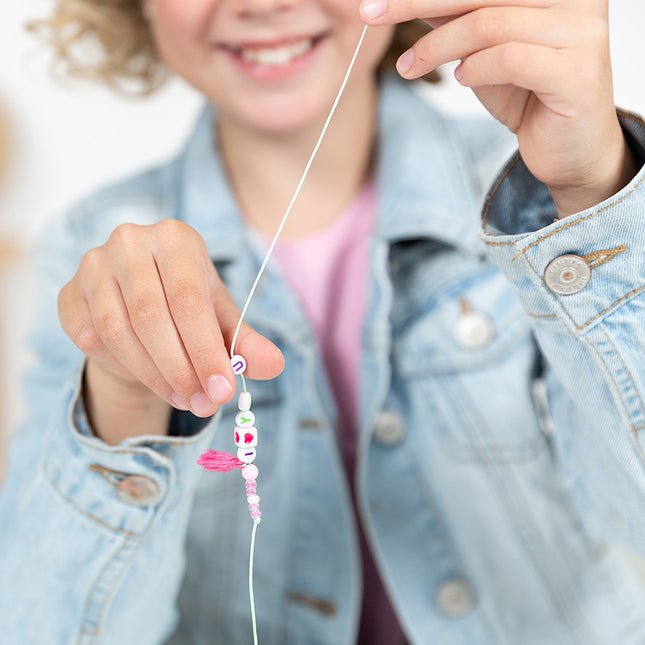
246, 455
244, 419
238, 363
253, 499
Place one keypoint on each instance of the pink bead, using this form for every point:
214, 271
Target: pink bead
250, 472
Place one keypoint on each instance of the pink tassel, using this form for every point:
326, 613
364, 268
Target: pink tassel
221, 462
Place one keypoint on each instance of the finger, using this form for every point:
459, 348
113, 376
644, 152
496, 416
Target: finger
189, 281
110, 319
387, 12
76, 322
264, 359
520, 64
153, 325
479, 30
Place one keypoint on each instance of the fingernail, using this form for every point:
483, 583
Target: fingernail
178, 402
218, 388
459, 72
405, 62
201, 405
373, 8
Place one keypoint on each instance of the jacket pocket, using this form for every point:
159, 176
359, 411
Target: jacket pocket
468, 360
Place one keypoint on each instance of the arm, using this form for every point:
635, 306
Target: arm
93, 531
592, 337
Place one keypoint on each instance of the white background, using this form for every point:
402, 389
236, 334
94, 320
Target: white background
66, 140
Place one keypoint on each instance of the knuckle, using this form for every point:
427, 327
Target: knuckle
186, 301
183, 380
92, 260
512, 58
173, 232
85, 337
124, 234
204, 355
111, 328
487, 26
145, 312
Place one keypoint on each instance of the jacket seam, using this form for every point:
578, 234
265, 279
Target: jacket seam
582, 219
92, 518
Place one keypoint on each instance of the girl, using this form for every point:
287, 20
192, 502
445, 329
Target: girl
452, 452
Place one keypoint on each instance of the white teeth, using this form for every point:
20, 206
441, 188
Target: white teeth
277, 56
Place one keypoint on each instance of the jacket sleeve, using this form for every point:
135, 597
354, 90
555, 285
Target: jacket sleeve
91, 536
588, 317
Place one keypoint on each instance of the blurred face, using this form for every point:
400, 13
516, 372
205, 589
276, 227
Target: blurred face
270, 65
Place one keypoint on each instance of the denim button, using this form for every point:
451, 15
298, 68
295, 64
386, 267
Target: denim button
567, 274
389, 428
136, 490
455, 598
473, 330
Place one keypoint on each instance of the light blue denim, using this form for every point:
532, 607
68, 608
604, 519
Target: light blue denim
502, 486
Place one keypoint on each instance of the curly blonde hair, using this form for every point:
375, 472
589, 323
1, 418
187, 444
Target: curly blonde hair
111, 41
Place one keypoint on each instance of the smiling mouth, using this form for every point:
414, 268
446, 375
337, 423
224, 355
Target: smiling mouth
275, 55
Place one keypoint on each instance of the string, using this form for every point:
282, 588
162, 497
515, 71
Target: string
295, 195
251, 594
259, 276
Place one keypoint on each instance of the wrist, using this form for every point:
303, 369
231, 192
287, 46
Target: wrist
117, 408
619, 170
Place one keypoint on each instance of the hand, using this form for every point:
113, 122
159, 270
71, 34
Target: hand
155, 320
541, 67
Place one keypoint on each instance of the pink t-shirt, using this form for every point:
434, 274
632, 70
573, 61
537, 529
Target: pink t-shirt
328, 272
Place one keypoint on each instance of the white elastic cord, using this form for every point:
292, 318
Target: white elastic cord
257, 280
295, 195
251, 594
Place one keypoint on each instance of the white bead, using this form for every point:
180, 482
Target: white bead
244, 419
253, 499
244, 401
246, 437
238, 363
246, 455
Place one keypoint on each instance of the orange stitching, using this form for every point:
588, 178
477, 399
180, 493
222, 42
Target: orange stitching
603, 256
498, 243
107, 473
627, 295
583, 219
631, 117
544, 316
566, 313
624, 364
495, 187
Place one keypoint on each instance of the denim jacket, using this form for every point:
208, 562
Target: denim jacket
500, 474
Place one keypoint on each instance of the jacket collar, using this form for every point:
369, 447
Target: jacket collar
433, 200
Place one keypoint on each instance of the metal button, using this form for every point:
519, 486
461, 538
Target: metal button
473, 330
455, 598
389, 428
567, 274
136, 490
